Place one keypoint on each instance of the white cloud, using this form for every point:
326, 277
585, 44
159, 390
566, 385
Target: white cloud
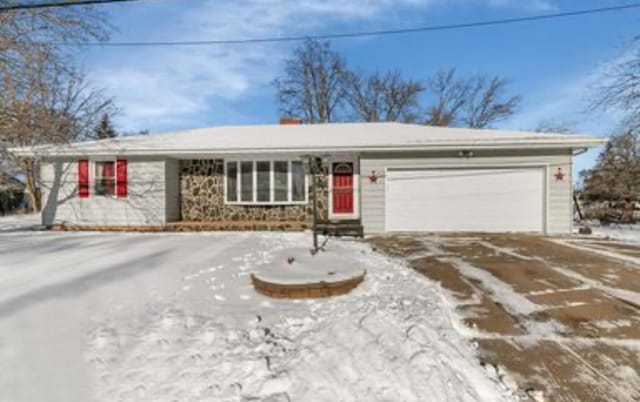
528, 5
171, 87
571, 102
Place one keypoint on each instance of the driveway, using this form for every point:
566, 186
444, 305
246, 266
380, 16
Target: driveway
561, 316
173, 317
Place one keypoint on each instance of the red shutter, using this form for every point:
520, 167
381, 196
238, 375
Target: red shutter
121, 178
83, 178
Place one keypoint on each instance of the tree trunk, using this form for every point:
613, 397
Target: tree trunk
29, 168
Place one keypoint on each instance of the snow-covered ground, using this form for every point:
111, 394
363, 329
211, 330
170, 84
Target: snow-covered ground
626, 233
173, 317
11, 223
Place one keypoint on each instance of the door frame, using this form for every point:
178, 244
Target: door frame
356, 186
545, 167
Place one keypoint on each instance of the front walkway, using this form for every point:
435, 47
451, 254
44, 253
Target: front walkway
561, 315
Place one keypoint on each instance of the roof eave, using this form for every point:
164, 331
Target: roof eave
69, 152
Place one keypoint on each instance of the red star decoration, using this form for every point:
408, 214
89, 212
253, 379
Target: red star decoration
559, 176
373, 178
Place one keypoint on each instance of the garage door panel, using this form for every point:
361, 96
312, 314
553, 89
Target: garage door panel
484, 200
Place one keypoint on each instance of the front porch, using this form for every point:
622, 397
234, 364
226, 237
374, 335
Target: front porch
345, 227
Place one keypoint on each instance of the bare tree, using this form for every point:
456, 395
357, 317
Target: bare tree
312, 86
450, 97
476, 102
486, 102
620, 90
44, 98
133, 133
44, 30
48, 104
553, 126
380, 97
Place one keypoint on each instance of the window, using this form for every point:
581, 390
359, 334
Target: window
297, 181
109, 178
105, 179
281, 181
232, 182
265, 182
246, 181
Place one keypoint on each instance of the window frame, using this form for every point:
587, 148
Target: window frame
93, 178
255, 202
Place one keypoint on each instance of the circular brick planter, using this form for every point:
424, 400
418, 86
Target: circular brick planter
306, 290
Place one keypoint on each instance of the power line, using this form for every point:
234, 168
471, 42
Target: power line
57, 4
476, 24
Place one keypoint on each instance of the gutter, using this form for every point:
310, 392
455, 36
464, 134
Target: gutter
582, 146
581, 151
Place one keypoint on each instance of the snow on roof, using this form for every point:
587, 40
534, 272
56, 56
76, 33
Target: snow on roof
333, 137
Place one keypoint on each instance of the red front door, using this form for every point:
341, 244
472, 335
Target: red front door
342, 187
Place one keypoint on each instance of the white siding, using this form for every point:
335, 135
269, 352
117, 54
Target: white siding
172, 183
560, 207
559, 210
144, 205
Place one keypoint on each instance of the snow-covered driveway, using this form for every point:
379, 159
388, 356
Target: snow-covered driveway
173, 317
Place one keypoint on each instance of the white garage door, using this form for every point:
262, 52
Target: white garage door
472, 200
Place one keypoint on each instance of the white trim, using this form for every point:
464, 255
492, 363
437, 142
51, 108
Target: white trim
469, 164
268, 203
544, 166
191, 153
547, 197
356, 186
315, 138
238, 163
384, 201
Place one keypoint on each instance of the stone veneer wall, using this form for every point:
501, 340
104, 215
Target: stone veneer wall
202, 197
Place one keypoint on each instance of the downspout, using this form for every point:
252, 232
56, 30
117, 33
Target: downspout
579, 151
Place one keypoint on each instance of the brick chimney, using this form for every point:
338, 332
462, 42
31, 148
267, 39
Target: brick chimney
290, 121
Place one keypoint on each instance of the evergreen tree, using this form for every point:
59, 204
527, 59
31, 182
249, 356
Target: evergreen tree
105, 129
616, 176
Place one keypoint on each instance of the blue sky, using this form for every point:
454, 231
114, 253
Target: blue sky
553, 64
